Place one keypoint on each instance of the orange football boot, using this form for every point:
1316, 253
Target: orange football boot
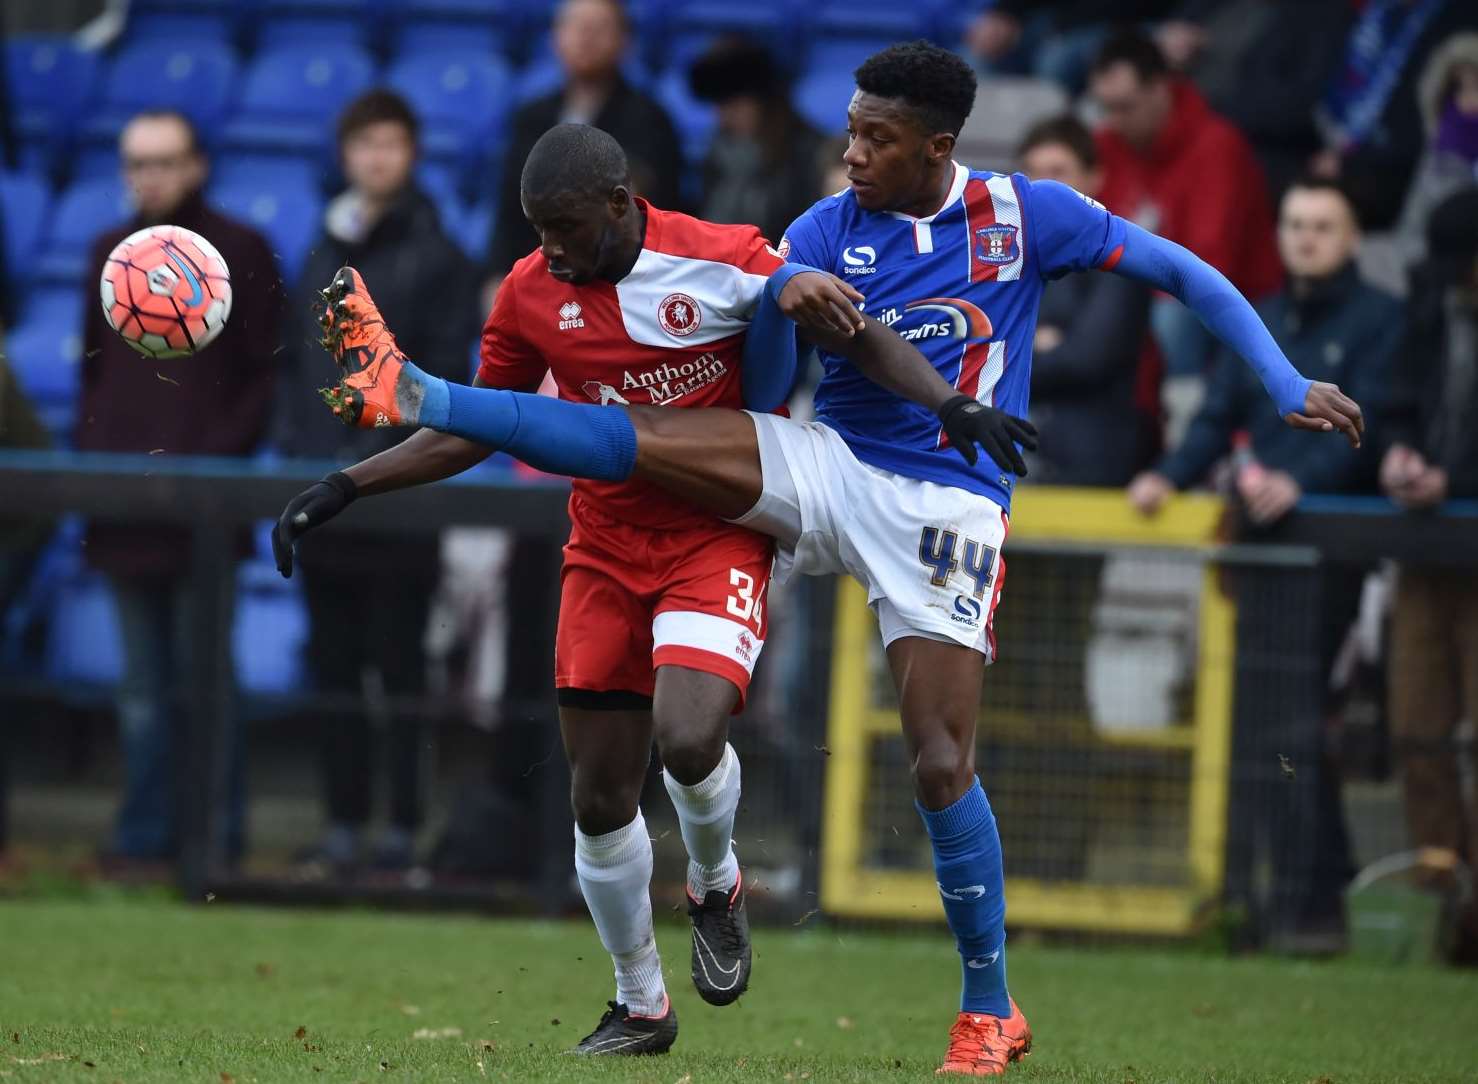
983, 1045
355, 334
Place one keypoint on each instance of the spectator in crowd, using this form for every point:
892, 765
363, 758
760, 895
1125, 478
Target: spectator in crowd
1055, 40
762, 167
591, 38
1332, 325
1432, 456
1085, 358
19, 540
1370, 115
1449, 104
216, 402
1179, 170
388, 229
1263, 65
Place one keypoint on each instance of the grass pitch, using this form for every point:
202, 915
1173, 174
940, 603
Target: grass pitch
139, 991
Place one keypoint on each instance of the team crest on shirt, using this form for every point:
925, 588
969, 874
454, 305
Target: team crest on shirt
996, 245
679, 315
783, 250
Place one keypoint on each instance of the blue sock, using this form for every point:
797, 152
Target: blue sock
576, 439
967, 866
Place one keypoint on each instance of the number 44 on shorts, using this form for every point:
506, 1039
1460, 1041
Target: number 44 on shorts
939, 551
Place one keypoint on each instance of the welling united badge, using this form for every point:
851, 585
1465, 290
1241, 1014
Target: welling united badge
996, 245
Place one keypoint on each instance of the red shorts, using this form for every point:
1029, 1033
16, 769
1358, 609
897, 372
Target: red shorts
636, 598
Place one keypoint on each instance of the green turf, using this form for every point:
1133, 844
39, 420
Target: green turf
156, 991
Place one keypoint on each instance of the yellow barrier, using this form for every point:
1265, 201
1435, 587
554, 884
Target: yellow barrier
849, 886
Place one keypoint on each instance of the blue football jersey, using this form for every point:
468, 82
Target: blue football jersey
963, 285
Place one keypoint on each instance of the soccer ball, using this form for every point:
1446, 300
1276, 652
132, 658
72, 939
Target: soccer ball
166, 291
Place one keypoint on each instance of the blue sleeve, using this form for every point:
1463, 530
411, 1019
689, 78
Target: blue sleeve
1225, 312
1073, 232
772, 356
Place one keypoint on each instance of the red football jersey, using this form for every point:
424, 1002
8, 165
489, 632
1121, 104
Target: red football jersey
670, 333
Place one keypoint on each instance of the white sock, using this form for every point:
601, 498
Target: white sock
615, 872
705, 812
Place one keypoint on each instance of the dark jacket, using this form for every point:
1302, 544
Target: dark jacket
427, 291
216, 402
1083, 389
1264, 68
1347, 333
639, 124
740, 186
1418, 408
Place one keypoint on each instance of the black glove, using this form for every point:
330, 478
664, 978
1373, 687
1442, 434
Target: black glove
317, 504
968, 423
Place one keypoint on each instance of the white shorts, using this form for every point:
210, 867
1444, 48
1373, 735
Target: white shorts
928, 554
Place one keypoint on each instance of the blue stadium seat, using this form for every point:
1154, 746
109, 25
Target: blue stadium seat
24, 201
84, 645
694, 120
822, 98
269, 631
267, 171
878, 20
493, 27
289, 216
195, 77
45, 353
282, 31
93, 162
460, 97
844, 55
474, 231
81, 212
148, 26
692, 27
48, 80
439, 180
292, 94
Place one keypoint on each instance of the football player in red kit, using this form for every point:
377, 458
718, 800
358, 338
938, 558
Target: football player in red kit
662, 613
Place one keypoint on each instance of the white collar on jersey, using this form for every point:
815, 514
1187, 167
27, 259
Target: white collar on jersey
956, 190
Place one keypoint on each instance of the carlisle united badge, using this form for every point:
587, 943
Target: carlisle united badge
996, 245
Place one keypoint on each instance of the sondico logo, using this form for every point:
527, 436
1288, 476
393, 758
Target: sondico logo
859, 260
569, 316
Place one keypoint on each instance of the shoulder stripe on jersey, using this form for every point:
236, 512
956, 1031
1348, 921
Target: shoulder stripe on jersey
679, 301
980, 212
1008, 213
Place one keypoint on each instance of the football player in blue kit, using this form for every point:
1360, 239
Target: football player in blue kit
888, 483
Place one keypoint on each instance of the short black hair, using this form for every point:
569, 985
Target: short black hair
1064, 131
376, 107
192, 133
934, 82
1310, 182
735, 67
577, 159
1135, 48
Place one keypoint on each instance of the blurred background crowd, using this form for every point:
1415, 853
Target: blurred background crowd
1320, 153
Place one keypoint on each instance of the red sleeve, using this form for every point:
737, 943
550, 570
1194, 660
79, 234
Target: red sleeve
508, 360
756, 255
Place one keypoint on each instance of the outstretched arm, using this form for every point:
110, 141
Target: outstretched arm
823, 307
1303, 403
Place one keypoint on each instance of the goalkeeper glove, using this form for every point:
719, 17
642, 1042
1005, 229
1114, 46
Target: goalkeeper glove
317, 504
968, 423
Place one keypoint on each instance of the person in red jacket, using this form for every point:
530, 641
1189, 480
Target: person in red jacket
1174, 167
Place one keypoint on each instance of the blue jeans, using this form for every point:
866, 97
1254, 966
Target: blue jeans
155, 620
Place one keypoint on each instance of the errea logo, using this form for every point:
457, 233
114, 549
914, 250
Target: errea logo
569, 316
859, 260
